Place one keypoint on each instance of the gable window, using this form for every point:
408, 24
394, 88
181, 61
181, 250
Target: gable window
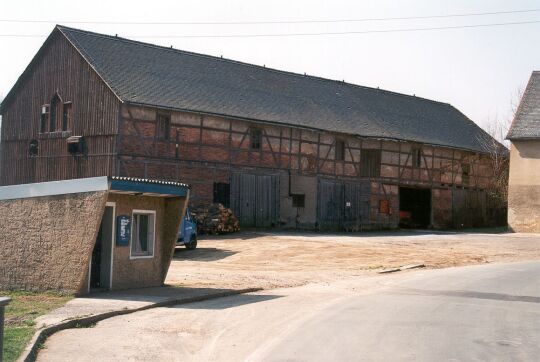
340, 150
370, 163
66, 116
163, 127
416, 154
143, 233
255, 136
44, 118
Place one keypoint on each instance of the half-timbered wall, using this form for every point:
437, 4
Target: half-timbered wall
58, 69
203, 149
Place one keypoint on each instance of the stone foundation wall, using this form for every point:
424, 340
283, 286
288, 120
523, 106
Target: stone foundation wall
46, 242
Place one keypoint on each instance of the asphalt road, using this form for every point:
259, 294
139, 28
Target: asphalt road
489, 312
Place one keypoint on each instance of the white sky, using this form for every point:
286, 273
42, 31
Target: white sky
477, 70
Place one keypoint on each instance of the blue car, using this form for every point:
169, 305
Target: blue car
188, 232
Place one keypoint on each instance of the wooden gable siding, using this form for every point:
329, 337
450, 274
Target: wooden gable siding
94, 114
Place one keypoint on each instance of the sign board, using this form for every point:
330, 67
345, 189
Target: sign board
123, 230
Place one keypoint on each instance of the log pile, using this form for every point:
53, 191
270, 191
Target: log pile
215, 219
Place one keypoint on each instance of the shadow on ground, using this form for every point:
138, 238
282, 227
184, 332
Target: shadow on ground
155, 294
247, 234
229, 302
202, 254
474, 294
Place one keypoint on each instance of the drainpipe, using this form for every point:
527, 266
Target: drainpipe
3, 302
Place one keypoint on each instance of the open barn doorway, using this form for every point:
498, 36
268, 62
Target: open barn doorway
414, 207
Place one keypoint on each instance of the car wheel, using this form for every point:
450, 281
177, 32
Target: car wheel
192, 243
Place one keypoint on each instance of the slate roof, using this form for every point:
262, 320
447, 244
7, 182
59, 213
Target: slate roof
147, 74
526, 123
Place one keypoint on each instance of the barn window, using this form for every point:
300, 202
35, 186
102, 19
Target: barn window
33, 148
298, 200
44, 118
370, 163
416, 157
66, 116
222, 193
163, 127
55, 103
143, 233
340, 150
255, 137
465, 173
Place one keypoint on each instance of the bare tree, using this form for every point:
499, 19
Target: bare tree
496, 146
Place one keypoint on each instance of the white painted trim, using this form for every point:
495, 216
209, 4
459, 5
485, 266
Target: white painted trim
147, 212
113, 239
51, 188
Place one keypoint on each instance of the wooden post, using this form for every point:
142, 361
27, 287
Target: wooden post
3, 302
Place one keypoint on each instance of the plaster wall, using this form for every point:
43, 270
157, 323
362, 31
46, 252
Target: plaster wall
47, 242
129, 272
524, 186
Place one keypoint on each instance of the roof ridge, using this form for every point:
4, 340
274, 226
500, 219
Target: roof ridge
318, 78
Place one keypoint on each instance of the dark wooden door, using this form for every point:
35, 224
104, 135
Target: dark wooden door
255, 199
342, 205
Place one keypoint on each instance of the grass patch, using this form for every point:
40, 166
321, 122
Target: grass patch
20, 317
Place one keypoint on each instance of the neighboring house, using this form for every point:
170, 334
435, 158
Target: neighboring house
524, 181
92, 233
282, 149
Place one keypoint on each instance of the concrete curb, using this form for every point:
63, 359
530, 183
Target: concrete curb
400, 268
30, 352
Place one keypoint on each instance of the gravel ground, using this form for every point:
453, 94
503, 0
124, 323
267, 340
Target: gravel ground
286, 259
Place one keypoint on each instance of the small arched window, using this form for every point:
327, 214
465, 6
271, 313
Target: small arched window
55, 110
33, 148
66, 116
45, 109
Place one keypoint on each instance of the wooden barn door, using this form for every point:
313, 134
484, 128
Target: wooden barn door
330, 204
255, 199
356, 203
343, 205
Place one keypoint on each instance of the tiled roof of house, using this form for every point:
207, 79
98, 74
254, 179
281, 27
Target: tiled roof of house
152, 75
526, 124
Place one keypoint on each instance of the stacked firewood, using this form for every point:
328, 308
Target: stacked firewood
215, 219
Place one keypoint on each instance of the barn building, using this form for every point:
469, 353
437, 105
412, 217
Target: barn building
524, 180
281, 149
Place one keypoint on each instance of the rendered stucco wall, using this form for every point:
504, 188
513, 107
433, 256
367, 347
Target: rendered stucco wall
131, 272
47, 241
524, 186
293, 217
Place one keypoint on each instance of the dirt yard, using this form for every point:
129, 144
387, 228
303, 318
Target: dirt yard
269, 260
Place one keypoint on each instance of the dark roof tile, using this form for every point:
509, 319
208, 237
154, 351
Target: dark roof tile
526, 124
164, 77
